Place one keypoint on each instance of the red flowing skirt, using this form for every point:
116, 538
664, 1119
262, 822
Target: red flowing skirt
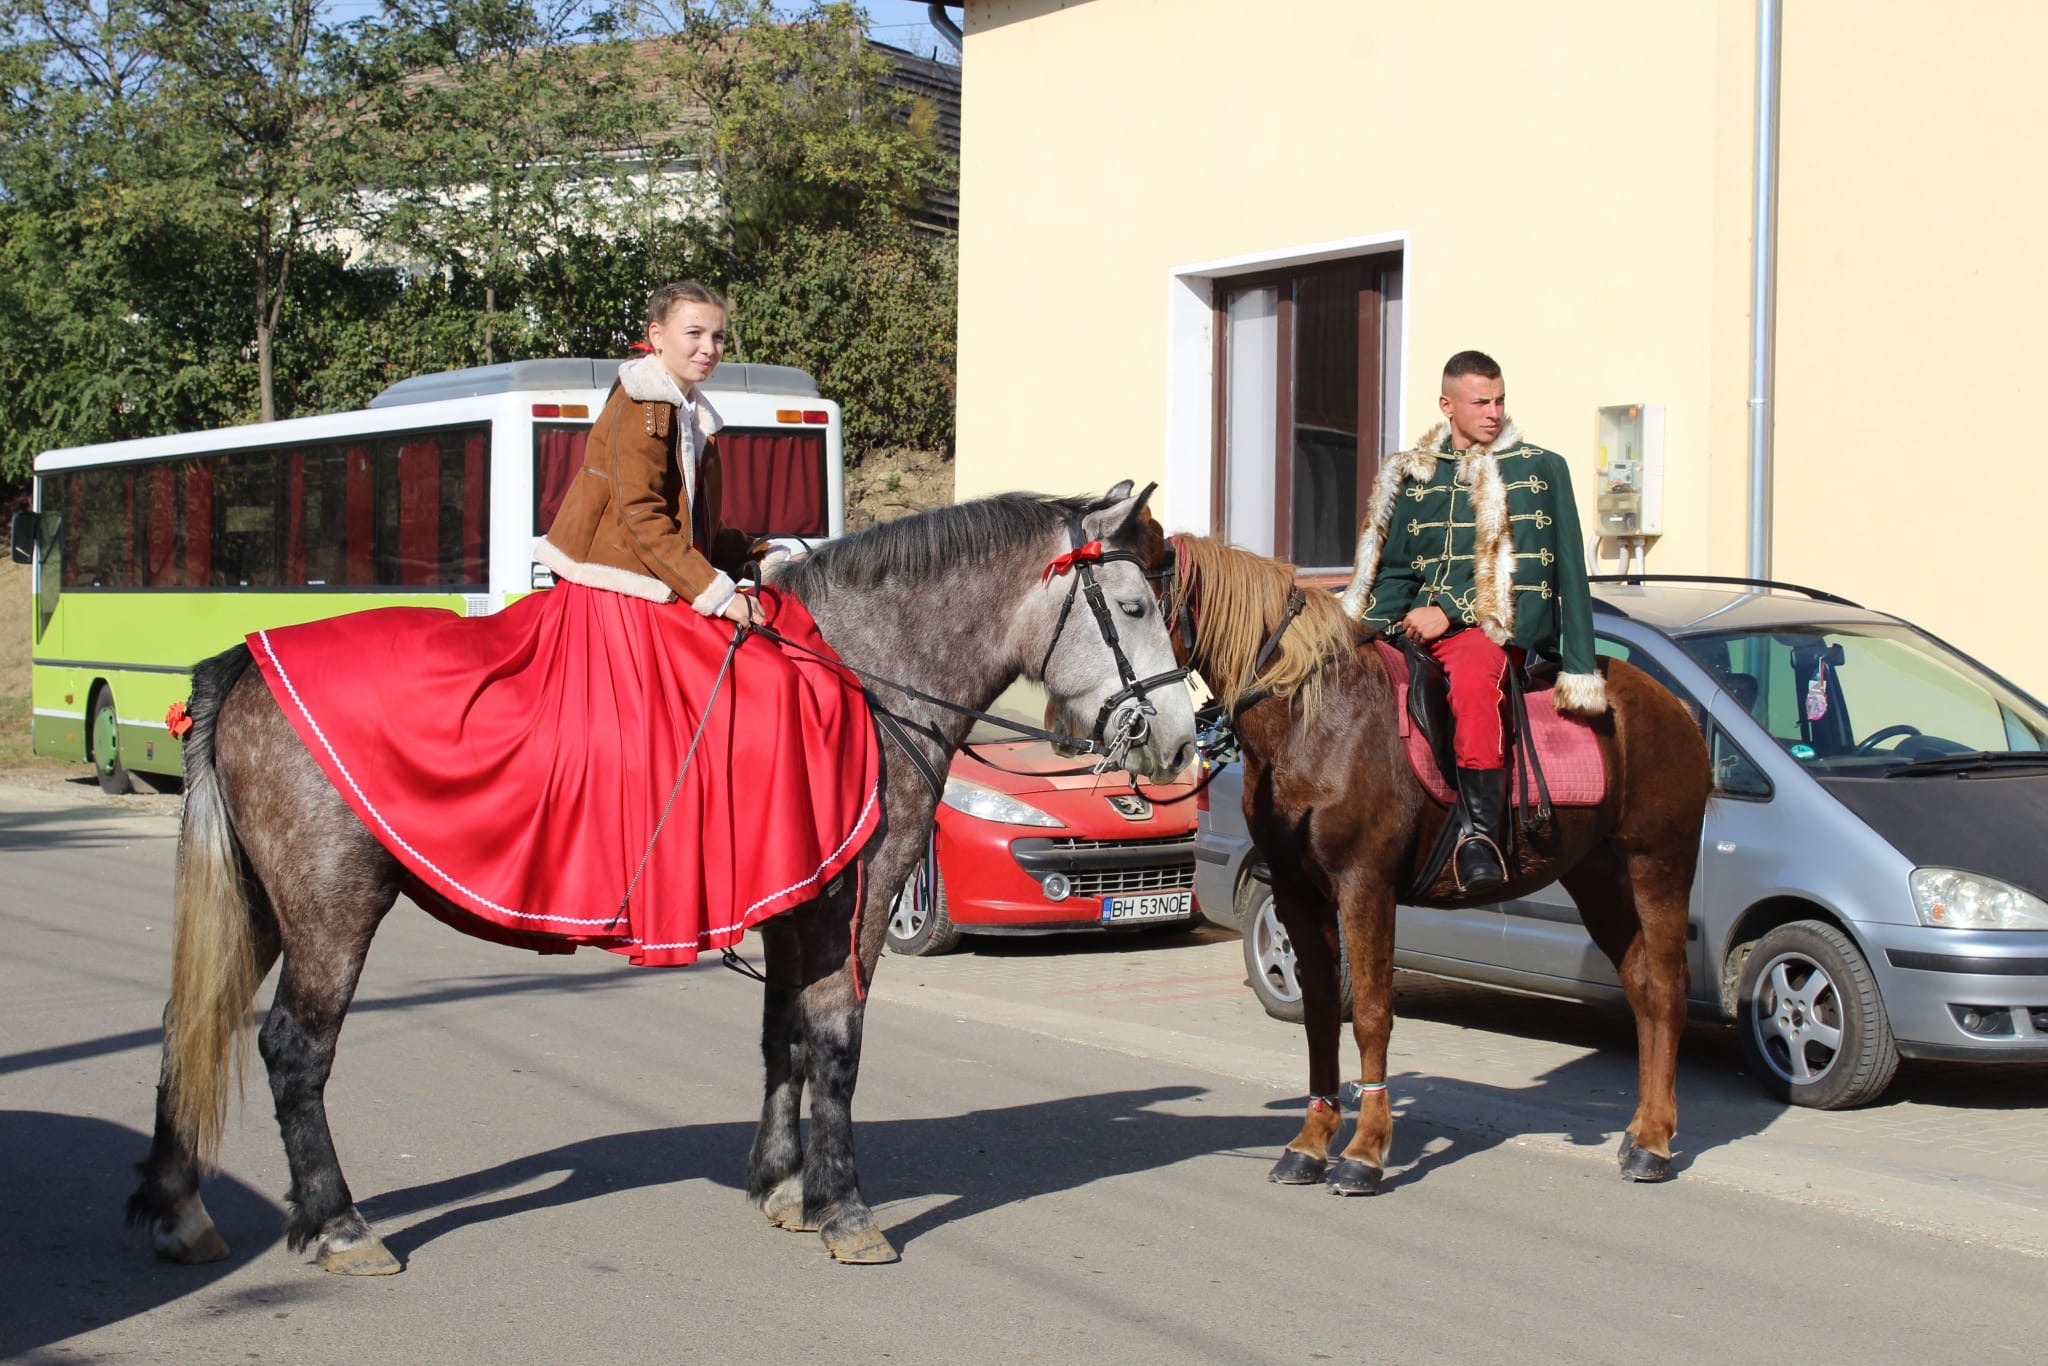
519, 764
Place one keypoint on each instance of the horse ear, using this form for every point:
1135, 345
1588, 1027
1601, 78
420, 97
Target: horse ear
1117, 494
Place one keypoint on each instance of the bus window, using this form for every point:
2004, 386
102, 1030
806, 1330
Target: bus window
773, 481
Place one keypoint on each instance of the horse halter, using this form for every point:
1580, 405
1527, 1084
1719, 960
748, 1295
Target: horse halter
1131, 705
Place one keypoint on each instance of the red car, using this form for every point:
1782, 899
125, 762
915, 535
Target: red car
1024, 851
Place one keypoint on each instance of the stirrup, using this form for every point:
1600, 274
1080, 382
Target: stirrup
1458, 874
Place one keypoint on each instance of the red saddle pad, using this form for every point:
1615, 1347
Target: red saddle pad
1565, 746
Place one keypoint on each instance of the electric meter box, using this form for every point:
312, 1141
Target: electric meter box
1630, 497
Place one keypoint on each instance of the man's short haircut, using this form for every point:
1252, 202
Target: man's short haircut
1471, 363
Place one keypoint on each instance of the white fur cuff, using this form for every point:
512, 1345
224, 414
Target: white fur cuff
712, 600
1580, 694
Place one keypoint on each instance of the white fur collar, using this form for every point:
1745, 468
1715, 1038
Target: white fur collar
646, 380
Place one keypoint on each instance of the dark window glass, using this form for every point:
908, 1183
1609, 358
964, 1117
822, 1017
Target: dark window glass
407, 510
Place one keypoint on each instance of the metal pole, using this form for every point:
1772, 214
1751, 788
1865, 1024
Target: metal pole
1763, 289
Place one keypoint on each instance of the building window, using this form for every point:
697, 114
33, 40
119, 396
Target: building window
1307, 366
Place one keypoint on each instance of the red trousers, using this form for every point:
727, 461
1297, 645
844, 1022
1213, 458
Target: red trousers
1477, 670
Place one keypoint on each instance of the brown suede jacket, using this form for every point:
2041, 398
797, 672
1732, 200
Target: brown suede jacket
625, 522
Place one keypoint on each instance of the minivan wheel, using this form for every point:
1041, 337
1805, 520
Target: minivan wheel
1811, 1020
1269, 962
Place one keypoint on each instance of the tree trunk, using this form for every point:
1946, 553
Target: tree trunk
490, 307
266, 391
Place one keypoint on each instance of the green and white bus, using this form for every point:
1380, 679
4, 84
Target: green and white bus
152, 555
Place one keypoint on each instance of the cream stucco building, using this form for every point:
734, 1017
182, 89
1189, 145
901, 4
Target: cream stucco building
1228, 247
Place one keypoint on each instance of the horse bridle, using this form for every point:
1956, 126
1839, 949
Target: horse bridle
1079, 560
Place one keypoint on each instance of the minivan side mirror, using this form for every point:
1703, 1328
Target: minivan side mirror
21, 538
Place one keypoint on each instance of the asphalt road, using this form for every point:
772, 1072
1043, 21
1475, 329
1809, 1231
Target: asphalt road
554, 1149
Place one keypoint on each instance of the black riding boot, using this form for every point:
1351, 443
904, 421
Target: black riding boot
1483, 796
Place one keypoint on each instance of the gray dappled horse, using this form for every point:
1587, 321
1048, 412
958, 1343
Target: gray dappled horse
274, 865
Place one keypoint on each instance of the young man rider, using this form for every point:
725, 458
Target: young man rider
1471, 545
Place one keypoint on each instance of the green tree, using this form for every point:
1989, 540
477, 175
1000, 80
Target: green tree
790, 123
868, 310
265, 154
498, 124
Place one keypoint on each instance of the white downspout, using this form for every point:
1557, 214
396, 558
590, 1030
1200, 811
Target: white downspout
1763, 289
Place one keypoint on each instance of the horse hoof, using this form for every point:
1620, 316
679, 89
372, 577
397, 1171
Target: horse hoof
1353, 1177
1640, 1164
784, 1207
865, 1246
1297, 1168
194, 1249
369, 1258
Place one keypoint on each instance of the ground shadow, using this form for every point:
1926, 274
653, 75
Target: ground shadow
76, 1266
982, 1160
467, 989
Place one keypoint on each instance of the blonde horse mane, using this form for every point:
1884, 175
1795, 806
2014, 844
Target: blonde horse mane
1237, 598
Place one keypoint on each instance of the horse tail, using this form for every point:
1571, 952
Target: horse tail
215, 965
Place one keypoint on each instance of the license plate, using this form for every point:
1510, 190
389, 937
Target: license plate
1119, 910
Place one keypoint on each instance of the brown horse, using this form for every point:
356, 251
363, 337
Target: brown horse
1333, 804
275, 867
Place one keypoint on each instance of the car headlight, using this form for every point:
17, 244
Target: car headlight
985, 803
1953, 899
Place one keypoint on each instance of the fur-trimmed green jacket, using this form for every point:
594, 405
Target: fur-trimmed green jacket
1490, 536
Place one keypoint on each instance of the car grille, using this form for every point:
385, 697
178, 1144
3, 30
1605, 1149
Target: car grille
1099, 868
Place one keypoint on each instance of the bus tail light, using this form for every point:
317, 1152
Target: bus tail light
788, 415
547, 410
561, 410
816, 417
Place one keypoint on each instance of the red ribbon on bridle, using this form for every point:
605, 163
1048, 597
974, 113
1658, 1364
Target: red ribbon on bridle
1061, 564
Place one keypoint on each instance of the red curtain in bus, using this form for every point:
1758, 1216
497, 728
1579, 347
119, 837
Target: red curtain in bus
129, 577
162, 569
295, 519
361, 515
475, 505
557, 455
773, 482
419, 512
198, 524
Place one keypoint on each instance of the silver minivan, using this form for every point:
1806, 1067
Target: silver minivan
1873, 877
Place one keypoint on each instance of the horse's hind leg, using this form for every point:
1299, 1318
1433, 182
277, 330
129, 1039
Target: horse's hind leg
297, 1042
167, 1202
330, 884
775, 1165
1635, 907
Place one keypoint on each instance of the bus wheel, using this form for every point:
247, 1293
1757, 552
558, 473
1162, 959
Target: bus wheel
106, 745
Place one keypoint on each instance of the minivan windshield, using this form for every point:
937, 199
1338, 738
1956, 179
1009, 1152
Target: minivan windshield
1869, 698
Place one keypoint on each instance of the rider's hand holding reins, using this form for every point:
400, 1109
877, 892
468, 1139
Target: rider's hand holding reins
742, 610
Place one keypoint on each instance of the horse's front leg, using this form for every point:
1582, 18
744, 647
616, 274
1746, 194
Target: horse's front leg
775, 1165
1367, 911
1313, 930
833, 1014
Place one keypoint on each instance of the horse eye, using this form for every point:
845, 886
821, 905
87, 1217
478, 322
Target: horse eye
1133, 607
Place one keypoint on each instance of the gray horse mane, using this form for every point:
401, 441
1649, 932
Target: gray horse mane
924, 543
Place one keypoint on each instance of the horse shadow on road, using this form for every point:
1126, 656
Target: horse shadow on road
980, 1160
75, 1267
